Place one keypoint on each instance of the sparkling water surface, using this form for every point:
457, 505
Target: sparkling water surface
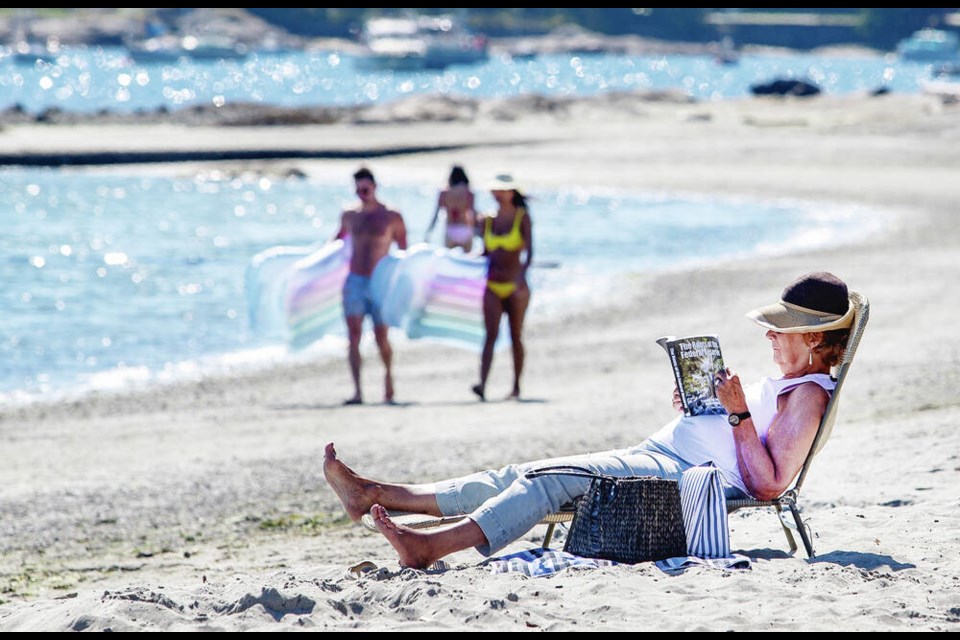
112, 279
93, 79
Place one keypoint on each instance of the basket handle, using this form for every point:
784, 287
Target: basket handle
567, 470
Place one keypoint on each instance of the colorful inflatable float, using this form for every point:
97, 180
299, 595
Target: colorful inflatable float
311, 295
265, 284
428, 292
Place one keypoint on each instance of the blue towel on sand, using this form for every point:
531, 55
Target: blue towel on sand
542, 562
675, 566
539, 562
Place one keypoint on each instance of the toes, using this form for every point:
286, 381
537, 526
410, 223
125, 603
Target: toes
382, 519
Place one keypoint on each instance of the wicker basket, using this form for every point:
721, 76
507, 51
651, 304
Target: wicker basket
629, 520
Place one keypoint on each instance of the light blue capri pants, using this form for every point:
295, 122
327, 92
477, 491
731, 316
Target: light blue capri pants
506, 505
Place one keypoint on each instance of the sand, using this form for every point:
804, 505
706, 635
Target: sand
203, 506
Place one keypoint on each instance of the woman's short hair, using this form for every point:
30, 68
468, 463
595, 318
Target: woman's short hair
833, 345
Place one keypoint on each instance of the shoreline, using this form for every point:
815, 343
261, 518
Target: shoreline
130, 383
440, 106
168, 511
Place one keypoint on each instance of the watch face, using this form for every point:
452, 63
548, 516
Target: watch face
733, 419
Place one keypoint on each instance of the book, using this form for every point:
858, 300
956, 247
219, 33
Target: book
696, 361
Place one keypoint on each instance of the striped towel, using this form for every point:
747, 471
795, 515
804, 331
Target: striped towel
705, 512
705, 519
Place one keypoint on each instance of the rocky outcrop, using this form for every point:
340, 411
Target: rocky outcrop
785, 87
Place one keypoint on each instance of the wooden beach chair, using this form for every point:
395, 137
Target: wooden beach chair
784, 504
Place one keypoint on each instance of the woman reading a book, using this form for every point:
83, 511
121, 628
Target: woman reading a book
758, 447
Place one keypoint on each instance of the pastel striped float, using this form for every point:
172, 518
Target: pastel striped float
265, 282
428, 293
313, 300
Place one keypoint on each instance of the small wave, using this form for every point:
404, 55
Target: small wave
124, 379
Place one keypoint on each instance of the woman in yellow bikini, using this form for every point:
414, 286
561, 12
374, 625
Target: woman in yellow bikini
506, 236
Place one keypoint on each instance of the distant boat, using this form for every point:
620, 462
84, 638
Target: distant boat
930, 45
727, 57
157, 49
947, 69
169, 48
412, 44
449, 43
726, 53
945, 82
213, 48
523, 51
393, 44
946, 89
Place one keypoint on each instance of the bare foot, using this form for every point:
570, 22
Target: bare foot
353, 400
478, 389
514, 395
350, 488
413, 546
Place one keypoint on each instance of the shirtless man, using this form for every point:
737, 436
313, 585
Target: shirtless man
372, 228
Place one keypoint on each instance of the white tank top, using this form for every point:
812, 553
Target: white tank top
700, 439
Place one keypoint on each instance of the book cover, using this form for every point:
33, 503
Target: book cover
695, 361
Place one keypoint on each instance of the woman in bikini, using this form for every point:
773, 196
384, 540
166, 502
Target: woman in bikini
457, 201
506, 236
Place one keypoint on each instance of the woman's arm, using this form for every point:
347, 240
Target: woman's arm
767, 470
526, 231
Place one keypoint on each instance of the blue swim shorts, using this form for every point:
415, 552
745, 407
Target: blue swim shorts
357, 300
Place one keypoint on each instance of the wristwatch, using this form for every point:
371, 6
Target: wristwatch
736, 418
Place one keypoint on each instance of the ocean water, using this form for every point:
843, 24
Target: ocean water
91, 79
112, 280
